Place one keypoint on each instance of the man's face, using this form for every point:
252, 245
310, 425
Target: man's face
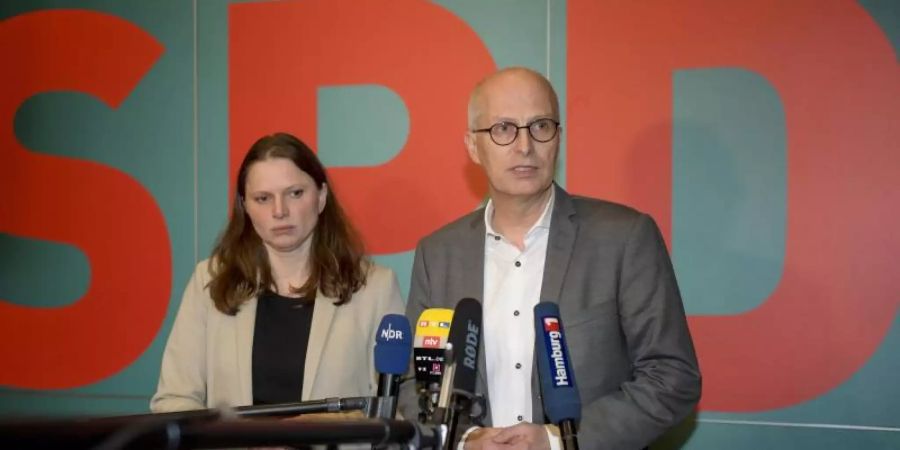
525, 167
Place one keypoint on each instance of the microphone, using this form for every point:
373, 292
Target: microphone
327, 405
393, 345
458, 386
562, 404
432, 332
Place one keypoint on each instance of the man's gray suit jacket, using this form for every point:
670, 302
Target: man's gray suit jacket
608, 269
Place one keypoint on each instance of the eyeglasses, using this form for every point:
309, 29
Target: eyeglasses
505, 133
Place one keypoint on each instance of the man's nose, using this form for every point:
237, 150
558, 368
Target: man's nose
523, 144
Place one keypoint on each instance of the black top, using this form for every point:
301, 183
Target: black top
280, 338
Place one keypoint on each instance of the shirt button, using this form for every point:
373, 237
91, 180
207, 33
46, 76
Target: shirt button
519, 418
518, 264
518, 365
496, 238
516, 313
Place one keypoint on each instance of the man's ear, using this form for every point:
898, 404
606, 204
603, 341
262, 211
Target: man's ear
469, 140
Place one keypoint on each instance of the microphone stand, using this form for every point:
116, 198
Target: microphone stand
331, 404
568, 435
385, 404
446, 412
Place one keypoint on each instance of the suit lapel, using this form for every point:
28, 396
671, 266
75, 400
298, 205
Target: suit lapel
473, 272
323, 313
560, 246
473, 261
245, 323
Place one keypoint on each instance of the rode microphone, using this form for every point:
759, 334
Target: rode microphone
432, 334
562, 404
458, 385
393, 345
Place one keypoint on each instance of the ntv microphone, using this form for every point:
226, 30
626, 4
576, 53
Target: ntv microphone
562, 404
432, 333
393, 345
458, 385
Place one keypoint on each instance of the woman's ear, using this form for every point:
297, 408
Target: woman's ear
323, 197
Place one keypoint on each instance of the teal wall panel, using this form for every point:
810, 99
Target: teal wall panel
22, 283
728, 223
350, 134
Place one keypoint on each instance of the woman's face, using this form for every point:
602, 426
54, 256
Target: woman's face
283, 203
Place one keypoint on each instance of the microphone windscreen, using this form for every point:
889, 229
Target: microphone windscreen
561, 399
393, 345
465, 336
433, 328
432, 332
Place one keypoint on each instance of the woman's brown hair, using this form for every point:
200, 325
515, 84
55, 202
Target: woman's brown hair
239, 265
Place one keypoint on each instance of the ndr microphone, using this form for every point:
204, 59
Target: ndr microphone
432, 334
562, 404
393, 345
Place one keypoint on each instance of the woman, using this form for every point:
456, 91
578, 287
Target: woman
287, 306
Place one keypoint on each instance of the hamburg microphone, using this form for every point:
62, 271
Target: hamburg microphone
562, 404
393, 345
458, 385
432, 333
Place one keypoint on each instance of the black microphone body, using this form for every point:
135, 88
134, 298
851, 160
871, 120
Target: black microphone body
458, 384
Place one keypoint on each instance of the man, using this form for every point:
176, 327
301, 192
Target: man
605, 265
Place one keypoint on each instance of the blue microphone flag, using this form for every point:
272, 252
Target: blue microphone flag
561, 399
393, 345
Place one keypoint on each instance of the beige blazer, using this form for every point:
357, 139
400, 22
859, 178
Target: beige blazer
207, 361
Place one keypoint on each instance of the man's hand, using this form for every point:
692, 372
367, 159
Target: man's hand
476, 440
524, 436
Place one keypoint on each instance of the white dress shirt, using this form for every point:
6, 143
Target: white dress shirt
512, 286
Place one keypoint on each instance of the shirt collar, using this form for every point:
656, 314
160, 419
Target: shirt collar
542, 222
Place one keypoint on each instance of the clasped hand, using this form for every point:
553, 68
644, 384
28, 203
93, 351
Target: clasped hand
523, 436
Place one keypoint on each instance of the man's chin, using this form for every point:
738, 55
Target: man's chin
521, 190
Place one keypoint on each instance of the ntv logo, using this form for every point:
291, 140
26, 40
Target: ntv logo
553, 337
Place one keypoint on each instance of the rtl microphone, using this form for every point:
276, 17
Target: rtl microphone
458, 386
432, 333
393, 345
562, 404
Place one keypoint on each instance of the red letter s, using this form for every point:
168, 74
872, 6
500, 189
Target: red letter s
104, 212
